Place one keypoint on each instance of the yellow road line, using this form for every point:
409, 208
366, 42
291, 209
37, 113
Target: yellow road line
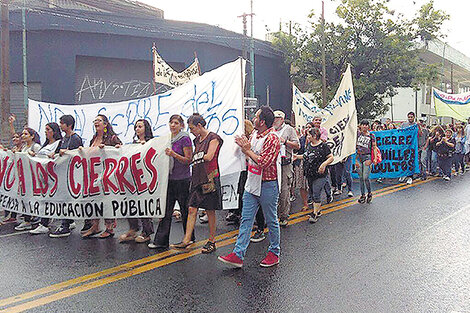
158, 260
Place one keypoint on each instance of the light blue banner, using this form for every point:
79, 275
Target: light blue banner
399, 149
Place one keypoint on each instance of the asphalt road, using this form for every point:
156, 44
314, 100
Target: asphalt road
407, 251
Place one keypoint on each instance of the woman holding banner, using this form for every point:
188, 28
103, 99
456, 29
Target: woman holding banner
180, 153
53, 137
31, 142
143, 133
104, 136
205, 192
365, 144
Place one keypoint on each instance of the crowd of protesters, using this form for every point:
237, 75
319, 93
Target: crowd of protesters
280, 160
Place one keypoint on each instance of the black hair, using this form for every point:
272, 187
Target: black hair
196, 119
412, 113
148, 134
266, 115
108, 130
315, 133
178, 118
365, 122
34, 134
56, 130
68, 120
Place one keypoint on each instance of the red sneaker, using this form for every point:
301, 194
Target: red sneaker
270, 260
231, 259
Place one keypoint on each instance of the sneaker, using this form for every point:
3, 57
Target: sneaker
24, 226
8, 220
60, 232
379, 180
362, 199
350, 194
401, 179
85, 228
258, 236
369, 198
329, 199
292, 198
313, 218
154, 246
409, 181
73, 225
229, 216
338, 192
35, 221
41, 229
283, 223
204, 219
446, 178
270, 260
231, 259
177, 216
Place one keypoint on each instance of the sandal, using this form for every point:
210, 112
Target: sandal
90, 233
129, 236
209, 247
106, 234
142, 238
181, 245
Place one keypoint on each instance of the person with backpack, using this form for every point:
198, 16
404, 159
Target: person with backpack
316, 158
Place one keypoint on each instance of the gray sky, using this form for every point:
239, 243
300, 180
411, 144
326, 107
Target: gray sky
269, 13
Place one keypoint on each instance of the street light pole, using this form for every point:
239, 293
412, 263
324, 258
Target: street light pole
323, 58
25, 69
252, 57
5, 76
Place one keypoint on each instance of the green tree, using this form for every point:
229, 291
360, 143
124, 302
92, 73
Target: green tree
381, 47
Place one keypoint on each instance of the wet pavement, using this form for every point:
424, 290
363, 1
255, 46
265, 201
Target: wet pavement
407, 251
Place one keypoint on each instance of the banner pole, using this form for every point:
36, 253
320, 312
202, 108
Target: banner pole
243, 96
154, 78
198, 66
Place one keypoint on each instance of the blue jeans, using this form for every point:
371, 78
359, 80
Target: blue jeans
433, 162
315, 186
268, 202
364, 172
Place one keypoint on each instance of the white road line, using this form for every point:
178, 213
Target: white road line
15, 234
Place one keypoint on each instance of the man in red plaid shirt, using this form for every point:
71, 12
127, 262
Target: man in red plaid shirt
261, 189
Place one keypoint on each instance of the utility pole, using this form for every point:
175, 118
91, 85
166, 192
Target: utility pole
5, 77
323, 58
25, 68
252, 53
252, 56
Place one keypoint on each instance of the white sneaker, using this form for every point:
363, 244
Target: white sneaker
338, 192
350, 194
204, 219
39, 230
446, 178
72, 226
24, 226
401, 179
409, 181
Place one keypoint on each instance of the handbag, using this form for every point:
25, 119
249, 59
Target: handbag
376, 155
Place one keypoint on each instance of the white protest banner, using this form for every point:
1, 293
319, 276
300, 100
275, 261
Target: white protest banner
164, 74
216, 95
452, 105
339, 117
130, 181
